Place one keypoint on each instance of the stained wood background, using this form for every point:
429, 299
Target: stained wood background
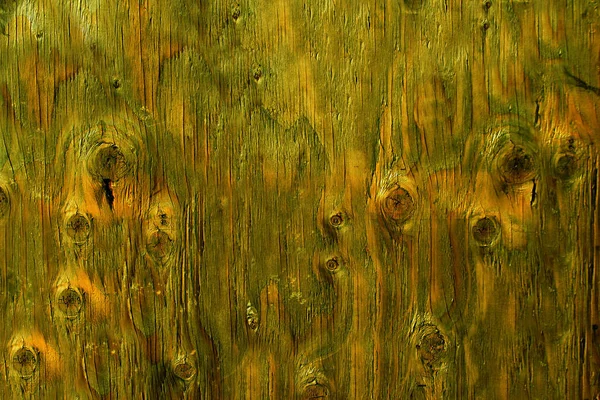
375, 199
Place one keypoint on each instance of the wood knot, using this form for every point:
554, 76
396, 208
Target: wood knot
566, 166
184, 370
431, 348
257, 73
109, 163
160, 246
25, 361
236, 12
397, 205
336, 220
78, 228
517, 166
70, 302
485, 231
315, 391
163, 219
332, 264
252, 318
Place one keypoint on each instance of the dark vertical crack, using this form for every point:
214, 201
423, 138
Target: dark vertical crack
108, 192
537, 113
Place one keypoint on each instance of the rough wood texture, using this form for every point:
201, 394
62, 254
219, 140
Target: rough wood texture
299, 199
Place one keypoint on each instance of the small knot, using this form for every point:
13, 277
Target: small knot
78, 228
25, 362
252, 318
517, 166
566, 166
332, 264
398, 205
159, 246
184, 370
485, 231
236, 12
257, 73
70, 302
431, 348
336, 220
316, 391
109, 164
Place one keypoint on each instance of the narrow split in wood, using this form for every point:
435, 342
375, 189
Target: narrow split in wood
4, 203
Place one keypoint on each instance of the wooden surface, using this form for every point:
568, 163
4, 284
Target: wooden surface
299, 199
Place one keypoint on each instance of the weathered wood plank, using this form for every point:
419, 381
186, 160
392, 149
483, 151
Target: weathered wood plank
299, 199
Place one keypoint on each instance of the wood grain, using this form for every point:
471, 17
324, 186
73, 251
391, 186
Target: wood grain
299, 199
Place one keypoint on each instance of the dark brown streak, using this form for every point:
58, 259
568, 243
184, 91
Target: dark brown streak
582, 84
108, 192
